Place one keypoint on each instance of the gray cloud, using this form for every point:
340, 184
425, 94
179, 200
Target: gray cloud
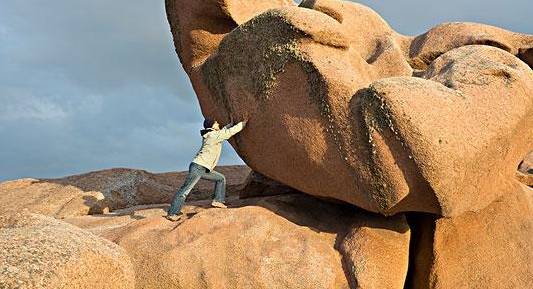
86, 85
413, 17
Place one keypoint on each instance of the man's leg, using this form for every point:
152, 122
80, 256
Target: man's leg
220, 185
195, 173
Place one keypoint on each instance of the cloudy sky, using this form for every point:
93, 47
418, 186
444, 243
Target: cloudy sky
87, 85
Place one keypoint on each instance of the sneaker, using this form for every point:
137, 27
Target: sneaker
217, 204
174, 218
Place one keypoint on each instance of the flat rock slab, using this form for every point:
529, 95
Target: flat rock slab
286, 241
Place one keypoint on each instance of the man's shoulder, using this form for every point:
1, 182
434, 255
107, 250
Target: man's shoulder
211, 136
209, 133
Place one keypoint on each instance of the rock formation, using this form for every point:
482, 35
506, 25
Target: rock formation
283, 241
407, 150
342, 106
525, 170
488, 249
41, 252
258, 185
376, 251
288, 241
106, 190
244, 247
435, 123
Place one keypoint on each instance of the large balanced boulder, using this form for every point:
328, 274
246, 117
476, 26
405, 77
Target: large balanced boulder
488, 249
342, 106
40, 252
106, 190
464, 154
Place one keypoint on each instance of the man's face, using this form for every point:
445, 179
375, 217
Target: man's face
216, 125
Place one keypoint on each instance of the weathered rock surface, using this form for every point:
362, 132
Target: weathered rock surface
374, 252
258, 185
451, 163
525, 170
332, 134
287, 241
488, 249
41, 252
242, 247
339, 106
47, 198
100, 191
199, 26
283, 241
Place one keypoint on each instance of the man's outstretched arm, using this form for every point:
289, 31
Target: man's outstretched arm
227, 132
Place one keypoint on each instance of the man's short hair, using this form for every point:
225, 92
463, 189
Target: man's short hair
208, 123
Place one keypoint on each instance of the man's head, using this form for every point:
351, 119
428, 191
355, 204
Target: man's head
211, 123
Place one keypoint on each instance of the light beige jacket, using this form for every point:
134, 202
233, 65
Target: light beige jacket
211, 149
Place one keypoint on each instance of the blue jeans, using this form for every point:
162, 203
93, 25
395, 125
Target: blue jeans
197, 172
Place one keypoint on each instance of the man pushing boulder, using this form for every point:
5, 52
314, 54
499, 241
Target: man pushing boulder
203, 164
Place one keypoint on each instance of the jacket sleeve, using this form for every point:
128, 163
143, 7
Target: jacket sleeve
227, 132
228, 125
